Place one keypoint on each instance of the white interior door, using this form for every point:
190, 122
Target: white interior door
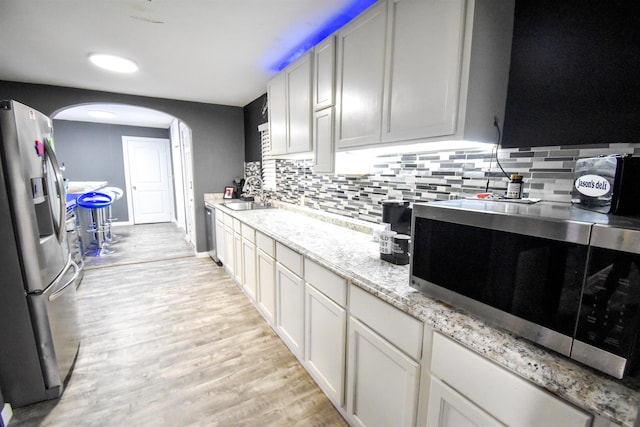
187, 171
148, 176
178, 184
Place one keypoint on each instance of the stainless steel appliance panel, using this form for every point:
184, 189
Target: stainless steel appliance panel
563, 277
609, 324
44, 329
210, 224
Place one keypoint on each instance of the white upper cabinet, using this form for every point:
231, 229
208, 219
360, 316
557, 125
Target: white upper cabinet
422, 80
423, 70
323, 141
289, 97
277, 98
324, 63
360, 78
299, 104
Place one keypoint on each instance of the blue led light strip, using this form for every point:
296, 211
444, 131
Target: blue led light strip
328, 28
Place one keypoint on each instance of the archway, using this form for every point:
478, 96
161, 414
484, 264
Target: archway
89, 140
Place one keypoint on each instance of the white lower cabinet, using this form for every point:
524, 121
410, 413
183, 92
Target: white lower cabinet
229, 253
479, 392
266, 277
220, 246
378, 365
249, 268
382, 381
383, 372
325, 333
290, 308
237, 258
450, 409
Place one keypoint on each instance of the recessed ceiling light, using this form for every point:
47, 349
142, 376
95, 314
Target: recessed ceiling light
101, 114
113, 63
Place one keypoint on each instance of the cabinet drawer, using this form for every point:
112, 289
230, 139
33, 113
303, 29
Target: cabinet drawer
289, 258
266, 244
507, 397
248, 233
220, 215
327, 282
228, 220
237, 225
397, 327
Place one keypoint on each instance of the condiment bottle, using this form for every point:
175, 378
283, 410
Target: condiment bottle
514, 188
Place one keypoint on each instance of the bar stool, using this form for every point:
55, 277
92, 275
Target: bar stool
96, 202
117, 195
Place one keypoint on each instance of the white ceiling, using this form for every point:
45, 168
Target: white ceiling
211, 51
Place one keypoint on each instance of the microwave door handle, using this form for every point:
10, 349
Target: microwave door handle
48, 150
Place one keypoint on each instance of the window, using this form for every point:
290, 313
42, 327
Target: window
268, 162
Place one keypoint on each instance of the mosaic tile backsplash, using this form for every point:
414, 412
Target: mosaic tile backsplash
428, 176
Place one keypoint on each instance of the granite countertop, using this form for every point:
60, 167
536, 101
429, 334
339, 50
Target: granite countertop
354, 255
81, 187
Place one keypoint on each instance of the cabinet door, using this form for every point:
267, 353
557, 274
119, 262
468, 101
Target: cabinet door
360, 78
505, 396
277, 99
299, 105
229, 253
266, 292
249, 268
324, 66
220, 246
424, 64
382, 381
325, 341
237, 258
290, 309
447, 408
323, 141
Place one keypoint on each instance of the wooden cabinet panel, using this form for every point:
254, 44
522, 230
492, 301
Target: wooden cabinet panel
324, 151
266, 290
382, 381
424, 68
220, 245
399, 328
325, 343
289, 258
360, 78
326, 281
505, 396
299, 105
450, 409
324, 65
290, 309
277, 99
249, 282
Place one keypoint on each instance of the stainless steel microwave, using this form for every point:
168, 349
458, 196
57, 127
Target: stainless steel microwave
565, 278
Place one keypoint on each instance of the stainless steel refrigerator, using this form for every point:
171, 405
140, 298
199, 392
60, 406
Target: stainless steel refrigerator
39, 330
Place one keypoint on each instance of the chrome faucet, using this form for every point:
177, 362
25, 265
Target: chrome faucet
253, 187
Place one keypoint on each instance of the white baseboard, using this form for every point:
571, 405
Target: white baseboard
6, 415
202, 254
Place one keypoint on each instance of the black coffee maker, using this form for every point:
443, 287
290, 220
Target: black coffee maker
397, 213
394, 243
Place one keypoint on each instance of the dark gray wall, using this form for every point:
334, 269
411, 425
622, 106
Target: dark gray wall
217, 132
93, 152
255, 114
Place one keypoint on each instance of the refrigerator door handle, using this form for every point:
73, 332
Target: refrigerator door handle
76, 272
48, 150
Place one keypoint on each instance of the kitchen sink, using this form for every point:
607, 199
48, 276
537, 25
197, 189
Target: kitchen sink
245, 206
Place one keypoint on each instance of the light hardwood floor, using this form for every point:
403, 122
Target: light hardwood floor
174, 342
